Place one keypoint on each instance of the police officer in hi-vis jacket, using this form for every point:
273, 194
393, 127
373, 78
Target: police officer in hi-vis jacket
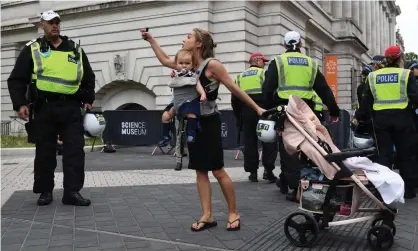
251, 82
387, 98
294, 73
60, 75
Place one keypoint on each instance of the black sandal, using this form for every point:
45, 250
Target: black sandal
234, 228
206, 225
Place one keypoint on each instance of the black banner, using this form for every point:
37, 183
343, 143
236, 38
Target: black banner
133, 128
144, 128
229, 130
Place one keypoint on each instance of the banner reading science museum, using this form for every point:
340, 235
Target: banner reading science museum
144, 128
133, 128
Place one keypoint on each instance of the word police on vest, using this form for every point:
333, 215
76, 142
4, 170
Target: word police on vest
134, 128
387, 78
224, 130
297, 61
249, 73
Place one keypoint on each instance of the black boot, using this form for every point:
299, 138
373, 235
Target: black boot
269, 175
292, 196
75, 199
253, 177
45, 199
282, 185
179, 166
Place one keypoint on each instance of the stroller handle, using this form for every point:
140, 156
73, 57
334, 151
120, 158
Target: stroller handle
273, 111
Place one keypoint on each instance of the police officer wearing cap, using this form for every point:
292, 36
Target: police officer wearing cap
63, 83
294, 73
251, 82
388, 97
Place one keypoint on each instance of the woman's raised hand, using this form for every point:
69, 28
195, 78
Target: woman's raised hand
146, 35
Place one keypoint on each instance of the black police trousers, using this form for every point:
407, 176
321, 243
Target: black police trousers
251, 158
290, 165
61, 117
397, 127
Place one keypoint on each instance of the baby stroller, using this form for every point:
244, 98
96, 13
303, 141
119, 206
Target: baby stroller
337, 190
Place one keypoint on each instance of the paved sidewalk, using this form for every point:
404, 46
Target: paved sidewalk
140, 203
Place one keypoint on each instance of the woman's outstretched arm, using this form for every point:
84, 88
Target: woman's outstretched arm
221, 74
161, 55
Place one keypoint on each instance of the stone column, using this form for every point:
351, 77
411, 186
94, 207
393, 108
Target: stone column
387, 33
368, 31
337, 9
376, 22
393, 30
347, 11
316, 54
362, 21
382, 28
355, 8
326, 6
374, 28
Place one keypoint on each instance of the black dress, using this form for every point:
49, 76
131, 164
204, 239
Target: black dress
206, 153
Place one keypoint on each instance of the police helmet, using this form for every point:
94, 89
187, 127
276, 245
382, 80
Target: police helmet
362, 140
411, 64
94, 123
266, 131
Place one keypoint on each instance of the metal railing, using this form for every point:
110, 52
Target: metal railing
5, 128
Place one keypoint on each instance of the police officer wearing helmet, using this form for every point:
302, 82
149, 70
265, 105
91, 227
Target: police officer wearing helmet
62, 80
294, 73
251, 82
388, 96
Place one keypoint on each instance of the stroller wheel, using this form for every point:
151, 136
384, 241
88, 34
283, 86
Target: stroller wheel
380, 238
305, 229
379, 222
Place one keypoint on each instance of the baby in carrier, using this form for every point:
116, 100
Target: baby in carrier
188, 93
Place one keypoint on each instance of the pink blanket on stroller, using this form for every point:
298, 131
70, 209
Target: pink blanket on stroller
294, 141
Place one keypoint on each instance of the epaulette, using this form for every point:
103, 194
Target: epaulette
31, 42
73, 42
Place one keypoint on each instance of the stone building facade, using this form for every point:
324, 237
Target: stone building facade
127, 72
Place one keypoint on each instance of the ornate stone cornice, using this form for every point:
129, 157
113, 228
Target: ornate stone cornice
73, 12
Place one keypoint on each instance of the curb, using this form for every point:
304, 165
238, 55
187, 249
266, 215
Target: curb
24, 151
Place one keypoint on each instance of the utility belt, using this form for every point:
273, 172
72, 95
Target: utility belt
280, 101
55, 97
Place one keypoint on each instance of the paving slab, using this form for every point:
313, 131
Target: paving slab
158, 217
141, 203
140, 158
